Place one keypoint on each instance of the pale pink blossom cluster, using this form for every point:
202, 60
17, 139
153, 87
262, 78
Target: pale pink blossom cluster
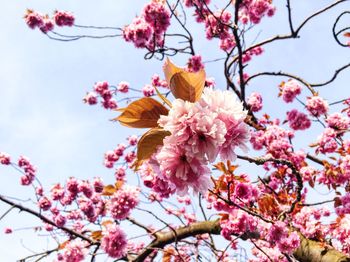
255, 102
114, 241
254, 10
209, 82
280, 236
338, 122
147, 31
345, 166
298, 120
326, 141
275, 139
103, 90
216, 24
29, 171
199, 133
238, 223
159, 186
247, 56
8, 230
194, 63
123, 201
64, 18
5, 158
289, 90
158, 82
309, 221
36, 20
113, 156
265, 249
148, 90
123, 87
344, 208
74, 251
340, 232
308, 172
316, 105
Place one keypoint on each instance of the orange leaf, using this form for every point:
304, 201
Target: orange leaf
347, 34
149, 142
221, 166
107, 223
109, 190
183, 84
96, 235
142, 113
63, 245
118, 185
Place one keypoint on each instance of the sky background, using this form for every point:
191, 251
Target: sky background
43, 82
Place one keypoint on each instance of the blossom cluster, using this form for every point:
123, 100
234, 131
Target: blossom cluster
45, 23
200, 132
218, 23
28, 170
147, 30
254, 10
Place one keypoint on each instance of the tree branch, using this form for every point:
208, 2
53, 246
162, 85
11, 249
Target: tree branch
45, 219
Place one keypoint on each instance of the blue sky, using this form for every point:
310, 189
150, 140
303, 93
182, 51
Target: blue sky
42, 84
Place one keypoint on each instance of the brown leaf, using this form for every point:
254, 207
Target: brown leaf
149, 142
118, 185
347, 34
183, 84
96, 235
109, 190
107, 223
142, 113
63, 245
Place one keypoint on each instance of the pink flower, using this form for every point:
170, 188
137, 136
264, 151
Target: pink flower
255, 102
64, 18
237, 136
157, 82
57, 192
44, 203
119, 151
33, 19
148, 90
316, 106
8, 230
338, 122
157, 15
114, 241
98, 185
290, 90
326, 141
60, 220
5, 158
298, 120
90, 98
277, 231
243, 191
139, 32
123, 87
123, 201
132, 140
47, 25
207, 135
75, 250
101, 87
209, 82
120, 173
182, 169
195, 64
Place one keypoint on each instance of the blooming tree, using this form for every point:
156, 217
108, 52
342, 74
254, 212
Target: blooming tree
193, 138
